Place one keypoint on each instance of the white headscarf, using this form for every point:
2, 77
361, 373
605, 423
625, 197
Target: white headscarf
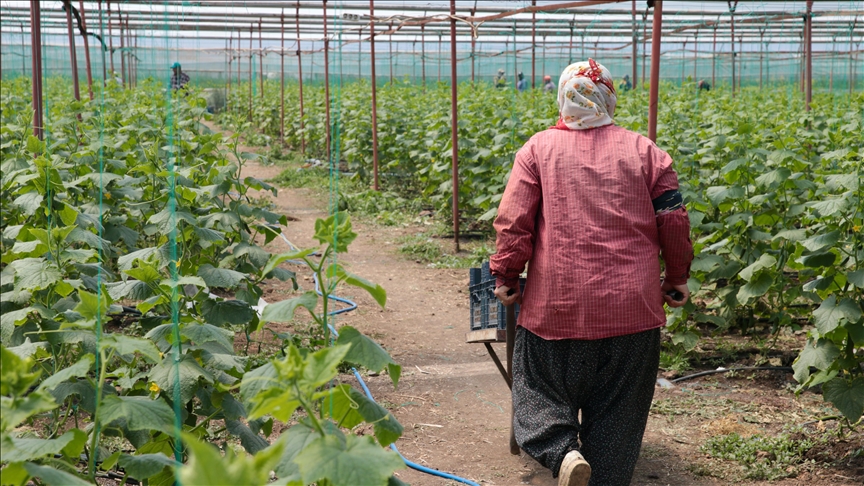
586, 96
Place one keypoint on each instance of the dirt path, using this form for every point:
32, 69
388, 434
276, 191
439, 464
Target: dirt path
455, 406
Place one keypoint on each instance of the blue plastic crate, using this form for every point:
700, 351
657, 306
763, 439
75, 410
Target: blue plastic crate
487, 312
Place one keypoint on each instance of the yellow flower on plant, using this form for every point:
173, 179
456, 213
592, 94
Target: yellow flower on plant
154, 387
856, 228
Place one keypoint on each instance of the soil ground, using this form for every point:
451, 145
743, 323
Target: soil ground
455, 406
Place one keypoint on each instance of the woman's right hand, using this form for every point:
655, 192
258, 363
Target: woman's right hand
668, 288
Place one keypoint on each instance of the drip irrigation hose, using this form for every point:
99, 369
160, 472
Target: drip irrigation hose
725, 370
351, 306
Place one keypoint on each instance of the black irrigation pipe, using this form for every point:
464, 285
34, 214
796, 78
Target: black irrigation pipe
725, 370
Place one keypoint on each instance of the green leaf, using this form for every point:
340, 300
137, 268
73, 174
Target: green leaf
202, 333
29, 449
820, 355
276, 260
791, 235
764, 261
351, 407
827, 316
139, 413
145, 273
207, 465
356, 460
91, 306
77, 370
190, 372
250, 441
774, 177
829, 207
143, 466
718, 194
29, 202
233, 312
367, 353
14, 412
375, 290
15, 375
335, 231
755, 288
35, 273
54, 477
284, 311
847, 396
220, 278
688, 339
34, 145
321, 366
254, 381
821, 241
294, 441
124, 345
819, 260
856, 278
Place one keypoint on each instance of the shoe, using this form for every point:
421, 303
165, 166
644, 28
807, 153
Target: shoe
574, 470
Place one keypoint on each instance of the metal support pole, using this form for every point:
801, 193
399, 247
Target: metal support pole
390, 47
251, 35
86, 48
831, 74
122, 50
440, 55
230, 60
374, 96
644, 43
809, 20
360, 53
696, 56
533, 46
239, 59
423, 54
741, 62
260, 59
300, 82
454, 125
110, 40
282, 78
851, 61
326, 83
761, 54
633, 14
101, 46
473, 45
683, 50
732, 6
655, 69
73, 56
23, 53
36, 66
714, 57
570, 57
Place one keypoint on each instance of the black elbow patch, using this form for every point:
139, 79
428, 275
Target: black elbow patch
667, 202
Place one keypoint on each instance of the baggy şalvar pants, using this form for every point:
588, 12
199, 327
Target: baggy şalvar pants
611, 381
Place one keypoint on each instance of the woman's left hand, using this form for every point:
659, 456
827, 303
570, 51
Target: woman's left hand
508, 296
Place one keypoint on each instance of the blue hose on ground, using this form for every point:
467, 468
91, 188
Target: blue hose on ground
351, 306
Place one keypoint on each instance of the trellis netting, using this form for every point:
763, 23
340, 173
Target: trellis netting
214, 42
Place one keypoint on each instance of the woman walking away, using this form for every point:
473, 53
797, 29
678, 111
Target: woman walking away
591, 206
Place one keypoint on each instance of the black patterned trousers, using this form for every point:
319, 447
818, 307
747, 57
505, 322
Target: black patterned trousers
611, 381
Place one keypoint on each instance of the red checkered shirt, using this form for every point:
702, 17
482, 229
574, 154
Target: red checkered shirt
578, 207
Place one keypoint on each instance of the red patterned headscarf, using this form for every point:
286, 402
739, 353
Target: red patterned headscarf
586, 96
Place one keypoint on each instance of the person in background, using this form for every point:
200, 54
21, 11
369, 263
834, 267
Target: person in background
500, 80
179, 79
626, 85
702, 84
522, 83
592, 206
548, 85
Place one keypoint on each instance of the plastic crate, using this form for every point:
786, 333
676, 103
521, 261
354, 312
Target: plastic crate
487, 312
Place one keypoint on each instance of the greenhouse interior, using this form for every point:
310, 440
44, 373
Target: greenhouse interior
262, 242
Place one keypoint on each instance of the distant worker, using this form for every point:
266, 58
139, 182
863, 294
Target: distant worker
702, 84
522, 84
626, 85
500, 79
179, 79
548, 85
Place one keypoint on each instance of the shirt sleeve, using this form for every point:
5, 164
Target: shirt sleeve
516, 221
674, 231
